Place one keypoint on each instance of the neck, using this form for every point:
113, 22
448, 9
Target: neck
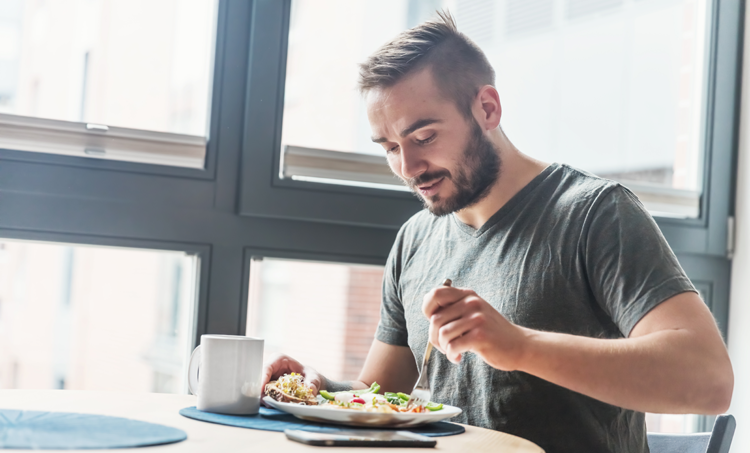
517, 170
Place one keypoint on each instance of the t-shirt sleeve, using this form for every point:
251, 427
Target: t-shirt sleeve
630, 266
392, 326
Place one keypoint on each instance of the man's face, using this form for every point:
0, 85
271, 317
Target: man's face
443, 157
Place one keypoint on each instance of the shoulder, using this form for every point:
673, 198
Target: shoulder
601, 193
578, 191
577, 198
577, 185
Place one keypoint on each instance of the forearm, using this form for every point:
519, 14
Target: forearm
669, 371
340, 386
392, 367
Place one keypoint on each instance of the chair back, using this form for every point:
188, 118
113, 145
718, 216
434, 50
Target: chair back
717, 441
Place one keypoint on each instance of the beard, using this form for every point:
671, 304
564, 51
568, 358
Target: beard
472, 181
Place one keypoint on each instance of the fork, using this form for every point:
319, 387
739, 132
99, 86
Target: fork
421, 394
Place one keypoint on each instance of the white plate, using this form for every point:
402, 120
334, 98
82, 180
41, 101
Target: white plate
357, 418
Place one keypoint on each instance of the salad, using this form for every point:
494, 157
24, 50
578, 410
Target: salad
290, 388
369, 400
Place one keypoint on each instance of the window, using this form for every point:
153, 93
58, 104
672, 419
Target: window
292, 302
107, 79
95, 318
615, 87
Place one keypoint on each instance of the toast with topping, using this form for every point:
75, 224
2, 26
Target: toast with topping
290, 389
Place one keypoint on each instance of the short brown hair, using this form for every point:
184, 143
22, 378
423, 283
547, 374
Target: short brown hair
459, 66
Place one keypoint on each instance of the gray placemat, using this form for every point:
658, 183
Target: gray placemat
35, 430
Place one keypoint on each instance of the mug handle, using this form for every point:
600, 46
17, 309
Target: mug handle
195, 361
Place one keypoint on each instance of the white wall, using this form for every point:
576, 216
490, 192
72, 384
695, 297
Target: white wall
739, 308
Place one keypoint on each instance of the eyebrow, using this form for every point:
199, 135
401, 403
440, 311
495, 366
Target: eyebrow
419, 124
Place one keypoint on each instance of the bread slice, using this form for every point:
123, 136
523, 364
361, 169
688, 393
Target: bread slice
276, 393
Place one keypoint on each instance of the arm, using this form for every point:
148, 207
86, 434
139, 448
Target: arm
390, 366
393, 367
674, 360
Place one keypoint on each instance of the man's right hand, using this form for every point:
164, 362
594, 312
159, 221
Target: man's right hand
281, 364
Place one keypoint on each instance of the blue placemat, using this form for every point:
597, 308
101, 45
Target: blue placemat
275, 420
68, 431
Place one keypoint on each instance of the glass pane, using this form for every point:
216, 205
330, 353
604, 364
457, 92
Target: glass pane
615, 87
95, 318
135, 64
337, 304
673, 423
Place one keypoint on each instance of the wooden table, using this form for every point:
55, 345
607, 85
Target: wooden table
208, 437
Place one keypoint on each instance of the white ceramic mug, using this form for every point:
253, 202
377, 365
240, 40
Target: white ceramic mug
230, 370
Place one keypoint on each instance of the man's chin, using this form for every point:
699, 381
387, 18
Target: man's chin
438, 207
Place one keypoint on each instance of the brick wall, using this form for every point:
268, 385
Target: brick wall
362, 316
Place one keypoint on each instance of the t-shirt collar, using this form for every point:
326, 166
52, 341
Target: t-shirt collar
507, 207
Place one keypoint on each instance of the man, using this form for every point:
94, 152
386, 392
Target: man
569, 316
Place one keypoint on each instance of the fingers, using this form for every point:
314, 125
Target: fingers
312, 379
462, 308
441, 318
279, 365
442, 297
464, 343
452, 331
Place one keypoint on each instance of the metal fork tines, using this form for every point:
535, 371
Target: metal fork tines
422, 394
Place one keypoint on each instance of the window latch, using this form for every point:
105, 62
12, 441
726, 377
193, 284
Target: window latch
97, 127
730, 237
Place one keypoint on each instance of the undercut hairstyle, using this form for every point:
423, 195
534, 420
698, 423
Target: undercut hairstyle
458, 66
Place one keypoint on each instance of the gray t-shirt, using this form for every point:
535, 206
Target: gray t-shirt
570, 253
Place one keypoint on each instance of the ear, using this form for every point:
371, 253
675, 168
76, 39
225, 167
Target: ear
487, 108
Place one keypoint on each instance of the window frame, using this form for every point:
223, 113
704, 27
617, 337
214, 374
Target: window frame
708, 234
98, 141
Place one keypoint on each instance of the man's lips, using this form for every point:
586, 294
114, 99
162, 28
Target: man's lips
428, 190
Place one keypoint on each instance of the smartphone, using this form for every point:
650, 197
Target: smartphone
361, 438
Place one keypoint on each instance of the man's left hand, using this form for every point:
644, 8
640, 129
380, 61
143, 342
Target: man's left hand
462, 321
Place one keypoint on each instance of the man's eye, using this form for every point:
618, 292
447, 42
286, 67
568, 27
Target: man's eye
392, 150
427, 140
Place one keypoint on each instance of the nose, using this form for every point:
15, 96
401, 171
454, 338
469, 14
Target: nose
412, 162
